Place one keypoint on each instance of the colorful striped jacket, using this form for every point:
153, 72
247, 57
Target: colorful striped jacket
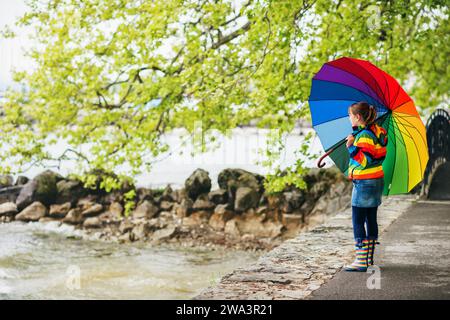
367, 152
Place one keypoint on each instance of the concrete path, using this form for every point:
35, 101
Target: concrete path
413, 260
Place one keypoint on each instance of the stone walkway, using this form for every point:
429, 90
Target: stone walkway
301, 265
412, 261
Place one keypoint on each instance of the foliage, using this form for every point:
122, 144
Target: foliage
112, 76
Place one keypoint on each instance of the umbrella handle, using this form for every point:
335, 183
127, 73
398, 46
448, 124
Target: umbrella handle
319, 163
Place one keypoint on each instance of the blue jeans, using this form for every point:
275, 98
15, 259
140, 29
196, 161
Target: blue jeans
369, 217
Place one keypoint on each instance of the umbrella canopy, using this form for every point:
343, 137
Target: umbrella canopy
340, 83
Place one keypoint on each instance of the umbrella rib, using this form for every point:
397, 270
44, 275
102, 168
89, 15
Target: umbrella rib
395, 152
420, 162
415, 128
378, 102
381, 97
386, 83
376, 82
399, 88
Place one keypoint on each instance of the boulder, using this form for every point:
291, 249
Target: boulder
166, 205
10, 194
219, 218
197, 218
184, 208
74, 216
94, 210
91, 223
202, 203
145, 210
6, 181
235, 178
257, 225
164, 234
42, 189
8, 209
246, 198
116, 209
197, 183
231, 228
167, 194
70, 191
126, 226
33, 212
144, 194
218, 196
291, 201
59, 210
21, 180
139, 232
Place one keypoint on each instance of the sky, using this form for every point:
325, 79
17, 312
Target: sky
11, 53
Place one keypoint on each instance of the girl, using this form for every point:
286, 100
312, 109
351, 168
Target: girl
367, 151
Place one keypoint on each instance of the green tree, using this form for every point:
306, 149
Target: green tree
115, 74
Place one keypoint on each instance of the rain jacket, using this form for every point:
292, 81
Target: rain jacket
367, 152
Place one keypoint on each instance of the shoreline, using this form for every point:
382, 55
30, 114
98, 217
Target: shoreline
239, 215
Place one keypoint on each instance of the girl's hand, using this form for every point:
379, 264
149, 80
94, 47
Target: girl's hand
350, 138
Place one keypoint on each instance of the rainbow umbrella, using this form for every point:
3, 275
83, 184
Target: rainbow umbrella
344, 81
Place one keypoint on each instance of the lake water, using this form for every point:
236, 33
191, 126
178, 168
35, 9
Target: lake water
46, 261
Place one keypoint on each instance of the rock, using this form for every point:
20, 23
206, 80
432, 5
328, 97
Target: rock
21, 180
179, 195
245, 178
92, 211
292, 200
246, 198
255, 224
125, 226
111, 197
144, 194
70, 191
231, 228
26, 195
8, 209
74, 216
164, 234
42, 189
59, 210
6, 181
145, 210
167, 194
184, 208
218, 196
10, 194
197, 183
87, 202
93, 222
291, 221
197, 218
125, 237
219, 219
116, 209
202, 203
33, 212
139, 232
166, 205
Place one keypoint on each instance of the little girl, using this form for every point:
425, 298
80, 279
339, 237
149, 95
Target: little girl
367, 151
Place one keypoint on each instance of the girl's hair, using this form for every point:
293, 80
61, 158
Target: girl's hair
365, 110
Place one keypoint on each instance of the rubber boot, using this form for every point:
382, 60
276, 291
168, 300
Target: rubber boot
362, 255
372, 245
